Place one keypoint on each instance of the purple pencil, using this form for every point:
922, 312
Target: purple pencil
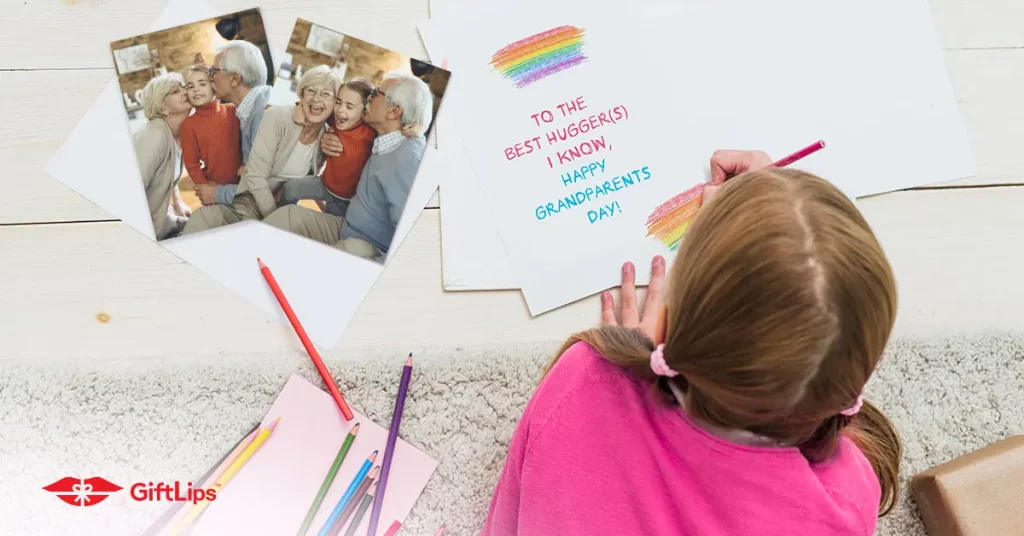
389, 450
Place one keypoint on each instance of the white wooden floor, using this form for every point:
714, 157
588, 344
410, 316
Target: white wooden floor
958, 249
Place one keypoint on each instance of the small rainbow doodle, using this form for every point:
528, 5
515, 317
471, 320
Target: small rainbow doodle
528, 60
670, 220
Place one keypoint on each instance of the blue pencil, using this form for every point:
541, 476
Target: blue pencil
336, 513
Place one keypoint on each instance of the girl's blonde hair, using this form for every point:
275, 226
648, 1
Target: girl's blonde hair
156, 91
361, 86
780, 305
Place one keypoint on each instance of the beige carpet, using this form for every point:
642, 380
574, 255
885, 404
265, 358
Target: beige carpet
170, 419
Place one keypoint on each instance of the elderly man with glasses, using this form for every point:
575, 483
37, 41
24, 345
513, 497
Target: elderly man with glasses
401, 101
239, 76
286, 147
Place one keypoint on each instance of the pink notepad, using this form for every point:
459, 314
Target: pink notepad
273, 491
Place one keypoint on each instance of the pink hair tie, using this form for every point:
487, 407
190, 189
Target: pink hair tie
852, 410
658, 364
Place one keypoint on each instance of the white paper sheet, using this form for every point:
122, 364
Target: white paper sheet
472, 254
324, 286
788, 74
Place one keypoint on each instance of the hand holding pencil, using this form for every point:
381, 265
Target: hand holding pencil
728, 163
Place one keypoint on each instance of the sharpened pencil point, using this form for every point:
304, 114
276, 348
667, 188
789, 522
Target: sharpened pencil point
408, 362
260, 261
354, 430
373, 456
375, 472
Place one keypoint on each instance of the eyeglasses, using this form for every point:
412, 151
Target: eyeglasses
325, 94
374, 92
213, 71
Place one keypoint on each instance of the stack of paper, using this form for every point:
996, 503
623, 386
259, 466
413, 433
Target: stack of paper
579, 120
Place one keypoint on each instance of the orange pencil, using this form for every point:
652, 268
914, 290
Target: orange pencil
310, 349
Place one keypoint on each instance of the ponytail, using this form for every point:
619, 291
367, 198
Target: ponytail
876, 437
628, 348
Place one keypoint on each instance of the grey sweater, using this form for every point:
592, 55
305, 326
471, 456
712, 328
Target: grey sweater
382, 192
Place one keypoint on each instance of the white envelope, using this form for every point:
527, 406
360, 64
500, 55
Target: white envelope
324, 286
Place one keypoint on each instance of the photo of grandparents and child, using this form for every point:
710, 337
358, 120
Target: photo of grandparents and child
329, 148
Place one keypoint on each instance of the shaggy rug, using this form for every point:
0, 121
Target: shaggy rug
172, 419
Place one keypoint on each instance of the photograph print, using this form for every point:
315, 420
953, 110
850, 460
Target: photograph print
328, 147
191, 93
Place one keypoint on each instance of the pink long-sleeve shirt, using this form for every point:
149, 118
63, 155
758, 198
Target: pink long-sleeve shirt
599, 452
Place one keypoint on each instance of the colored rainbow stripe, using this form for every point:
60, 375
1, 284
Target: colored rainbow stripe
528, 60
672, 218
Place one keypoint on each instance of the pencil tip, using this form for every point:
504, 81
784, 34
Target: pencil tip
373, 456
408, 362
354, 429
260, 261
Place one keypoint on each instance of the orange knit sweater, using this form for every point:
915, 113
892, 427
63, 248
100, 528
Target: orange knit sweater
211, 145
341, 175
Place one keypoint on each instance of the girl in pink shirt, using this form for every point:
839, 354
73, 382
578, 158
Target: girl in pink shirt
733, 405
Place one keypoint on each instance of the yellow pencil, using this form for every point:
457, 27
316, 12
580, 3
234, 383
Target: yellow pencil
226, 477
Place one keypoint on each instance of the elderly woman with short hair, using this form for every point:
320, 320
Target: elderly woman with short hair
158, 151
286, 147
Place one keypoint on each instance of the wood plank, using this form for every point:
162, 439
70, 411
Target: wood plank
37, 33
967, 24
951, 251
987, 83
47, 25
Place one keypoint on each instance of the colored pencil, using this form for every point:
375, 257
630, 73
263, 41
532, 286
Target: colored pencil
364, 505
354, 502
310, 349
333, 472
393, 529
336, 513
389, 451
173, 514
229, 473
802, 153
440, 531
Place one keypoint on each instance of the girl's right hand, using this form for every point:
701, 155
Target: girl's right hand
727, 163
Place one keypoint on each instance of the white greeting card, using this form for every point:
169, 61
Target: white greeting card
560, 112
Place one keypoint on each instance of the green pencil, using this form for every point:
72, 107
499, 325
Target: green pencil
328, 480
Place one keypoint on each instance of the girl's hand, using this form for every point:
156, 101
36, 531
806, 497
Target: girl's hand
726, 163
630, 315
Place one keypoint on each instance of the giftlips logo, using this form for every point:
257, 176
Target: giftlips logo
83, 491
90, 491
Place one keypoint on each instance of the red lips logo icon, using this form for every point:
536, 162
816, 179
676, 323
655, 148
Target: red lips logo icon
82, 491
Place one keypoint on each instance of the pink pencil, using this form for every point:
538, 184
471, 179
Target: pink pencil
393, 529
802, 153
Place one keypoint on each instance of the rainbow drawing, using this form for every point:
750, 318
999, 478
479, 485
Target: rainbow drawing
540, 55
669, 222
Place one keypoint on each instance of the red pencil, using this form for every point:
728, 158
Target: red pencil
802, 153
310, 349
393, 529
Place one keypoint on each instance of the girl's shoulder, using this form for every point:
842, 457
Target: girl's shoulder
582, 366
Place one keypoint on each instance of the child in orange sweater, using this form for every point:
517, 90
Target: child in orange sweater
337, 184
210, 141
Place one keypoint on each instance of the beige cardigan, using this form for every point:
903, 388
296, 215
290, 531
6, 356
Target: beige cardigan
159, 157
276, 139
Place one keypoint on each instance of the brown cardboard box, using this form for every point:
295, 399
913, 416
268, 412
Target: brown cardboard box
977, 494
